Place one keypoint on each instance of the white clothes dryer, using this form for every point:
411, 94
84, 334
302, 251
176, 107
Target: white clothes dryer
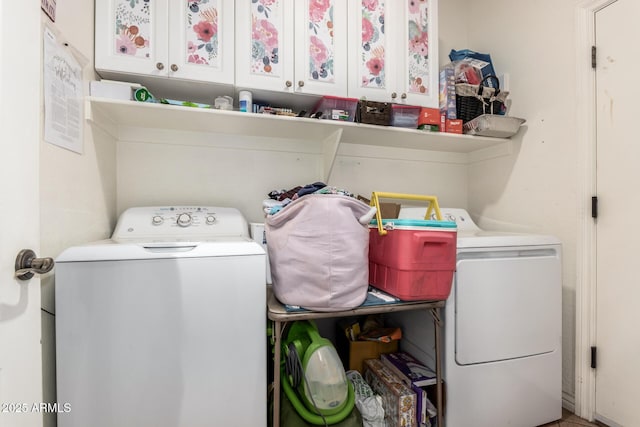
502, 327
164, 324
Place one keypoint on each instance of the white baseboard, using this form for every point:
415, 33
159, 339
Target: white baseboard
568, 402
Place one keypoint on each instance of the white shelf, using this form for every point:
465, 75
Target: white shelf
115, 115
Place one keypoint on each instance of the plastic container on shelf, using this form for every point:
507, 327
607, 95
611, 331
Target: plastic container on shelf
493, 125
336, 108
245, 101
405, 116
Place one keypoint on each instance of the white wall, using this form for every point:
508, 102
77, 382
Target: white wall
534, 189
78, 191
197, 168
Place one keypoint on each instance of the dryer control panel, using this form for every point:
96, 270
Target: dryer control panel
458, 215
180, 223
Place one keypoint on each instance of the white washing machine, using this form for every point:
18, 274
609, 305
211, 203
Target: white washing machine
163, 325
502, 326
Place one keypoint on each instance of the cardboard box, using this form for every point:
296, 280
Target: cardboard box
112, 89
429, 116
410, 369
387, 210
354, 353
414, 374
472, 70
447, 95
398, 400
359, 351
451, 126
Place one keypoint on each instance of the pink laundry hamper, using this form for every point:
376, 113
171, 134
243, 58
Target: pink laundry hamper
319, 252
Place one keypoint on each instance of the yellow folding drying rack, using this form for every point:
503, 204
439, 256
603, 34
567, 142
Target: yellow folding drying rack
377, 195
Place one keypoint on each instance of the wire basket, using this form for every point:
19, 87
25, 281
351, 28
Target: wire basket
374, 113
475, 100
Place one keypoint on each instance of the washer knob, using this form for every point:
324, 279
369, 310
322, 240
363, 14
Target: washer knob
210, 219
157, 220
184, 220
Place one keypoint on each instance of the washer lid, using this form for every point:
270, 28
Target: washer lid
110, 250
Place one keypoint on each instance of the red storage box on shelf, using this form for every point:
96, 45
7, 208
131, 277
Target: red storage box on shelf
415, 259
337, 108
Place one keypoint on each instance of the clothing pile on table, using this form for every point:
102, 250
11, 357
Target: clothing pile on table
278, 199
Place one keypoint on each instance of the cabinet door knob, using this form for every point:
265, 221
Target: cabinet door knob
174, 67
160, 66
403, 96
394, 95
289, 83
300, 83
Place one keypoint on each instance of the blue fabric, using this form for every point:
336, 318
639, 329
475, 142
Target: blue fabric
372, 299
311, 188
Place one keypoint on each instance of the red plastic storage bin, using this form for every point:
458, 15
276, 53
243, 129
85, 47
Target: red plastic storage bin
415, 260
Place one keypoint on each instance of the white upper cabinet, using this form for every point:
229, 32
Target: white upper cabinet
393, 54
185, 39
373, 51
292, 46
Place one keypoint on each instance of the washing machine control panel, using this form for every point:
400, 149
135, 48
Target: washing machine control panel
180, 223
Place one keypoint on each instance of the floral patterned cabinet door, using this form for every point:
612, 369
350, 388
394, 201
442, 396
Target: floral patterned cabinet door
418, 42
201, 40
292, 46
187, 39
321, 47
130, 36
373, 52
391, 56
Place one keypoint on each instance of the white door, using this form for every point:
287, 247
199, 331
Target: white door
20, 352
618, 153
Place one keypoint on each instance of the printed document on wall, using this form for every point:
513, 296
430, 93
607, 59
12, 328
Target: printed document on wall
63, 95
